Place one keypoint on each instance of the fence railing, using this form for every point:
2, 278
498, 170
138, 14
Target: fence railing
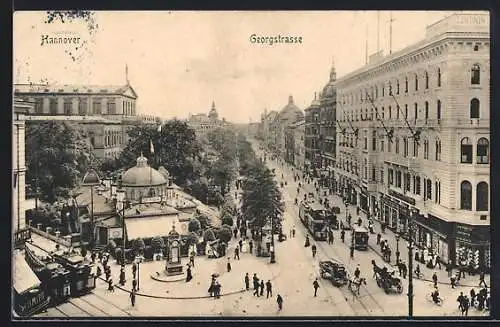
58, 240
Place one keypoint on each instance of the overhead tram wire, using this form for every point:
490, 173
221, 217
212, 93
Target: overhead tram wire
389, 132
415, 133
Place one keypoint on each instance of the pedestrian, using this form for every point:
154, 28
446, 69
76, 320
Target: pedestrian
240, 243
400, 267
189, 275
122, 276
453, 281
132, 297
228, 264
235, 232
92, 256
293, 231
472, 297
313, 249
269, 289
465, 306
247, 282
191, 259
250, 245
255, 285
262, 287
357, 272
316, 286
111, 288
481, 279
417, 256
217, 288
236, 253
438, 261
378, 238
134, 284
404, 269
307, 242
342, 235
417, 271
435, 279
359, 221
460, 300
449, 269
279, 300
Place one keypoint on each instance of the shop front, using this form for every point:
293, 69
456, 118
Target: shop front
395, 210
432, 233
470, 244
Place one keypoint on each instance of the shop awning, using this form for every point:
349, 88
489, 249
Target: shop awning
24, 278
151, 226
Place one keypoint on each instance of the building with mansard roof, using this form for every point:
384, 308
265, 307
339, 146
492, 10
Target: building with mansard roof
413, 139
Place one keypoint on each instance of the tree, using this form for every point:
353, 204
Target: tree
203, 219
57, 156
194, 225
139, 245
208, 235
227, 220
224, 234
261, 196
175, 148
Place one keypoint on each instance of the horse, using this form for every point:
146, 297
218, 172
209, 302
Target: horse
355, 283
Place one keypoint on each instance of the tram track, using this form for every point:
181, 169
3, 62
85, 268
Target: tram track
346, 293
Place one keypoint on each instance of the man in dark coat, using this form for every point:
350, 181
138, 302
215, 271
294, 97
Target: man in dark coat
313, 249
247, 282
228, 264
132, 297
189, 276
342, 235
279, 300
250, 246
256, 285
262, 288
236, 253
435, 279
316, 286
269, 289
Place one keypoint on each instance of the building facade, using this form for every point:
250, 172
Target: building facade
21, 109
312, 142
327, 128
105, 112
413, 136
203, 123
299, 147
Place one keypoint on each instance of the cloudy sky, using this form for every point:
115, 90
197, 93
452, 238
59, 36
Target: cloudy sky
179, 62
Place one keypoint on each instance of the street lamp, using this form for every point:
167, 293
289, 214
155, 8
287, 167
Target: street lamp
120, 206
138, 261
91, 179
397, 249
273, 256
352, 244
410, 265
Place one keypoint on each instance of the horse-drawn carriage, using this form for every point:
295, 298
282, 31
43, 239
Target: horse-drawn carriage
386, 279
333, 271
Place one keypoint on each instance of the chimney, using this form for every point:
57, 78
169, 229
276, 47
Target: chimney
290, 99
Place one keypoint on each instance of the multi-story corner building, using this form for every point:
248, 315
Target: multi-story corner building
105, 112
312, 140
434, 98
327, 136
203, 123
294, 144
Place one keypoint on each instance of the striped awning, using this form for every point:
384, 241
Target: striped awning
24, 278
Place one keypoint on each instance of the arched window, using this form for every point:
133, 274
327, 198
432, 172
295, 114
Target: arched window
466, 150
482, 196
475, 75
406, 84
366, 168
397, 144
405, 147
426, 110
390, 112
466, 195
438, 149
428, 188
151, 192
437, 192
439, 77
415, 148
482, 151
416, 82
374, 140
438, 109
397, 86
406, 111
426, 80
416, 112
474, 108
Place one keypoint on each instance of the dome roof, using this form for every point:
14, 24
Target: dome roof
328, 90
142, 175
291, 112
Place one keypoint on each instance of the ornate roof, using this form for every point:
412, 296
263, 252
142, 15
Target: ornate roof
143, 175
291, 112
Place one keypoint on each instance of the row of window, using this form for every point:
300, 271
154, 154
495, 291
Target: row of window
82, 103
112, 138
482, 151
412, 183
482, 196
356, 115
370, 93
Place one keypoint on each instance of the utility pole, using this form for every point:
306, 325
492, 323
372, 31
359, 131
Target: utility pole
410, 264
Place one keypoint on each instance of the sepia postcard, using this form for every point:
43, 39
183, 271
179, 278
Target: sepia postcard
242, 164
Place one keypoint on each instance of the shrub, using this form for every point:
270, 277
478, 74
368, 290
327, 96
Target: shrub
194, 225
209, 235
157, 244
148, 252
227, 220
204, 221
192, 238
139, 245
224, 234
